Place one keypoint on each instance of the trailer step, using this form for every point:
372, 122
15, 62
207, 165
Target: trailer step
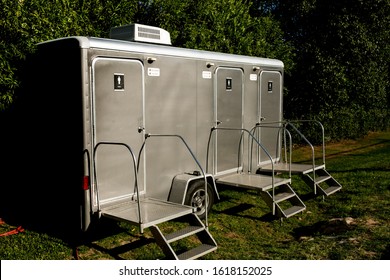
252, 181
322, 182
156, 212
276, 191
201, 245
283, 201
153, 212
330, 190
197, 252
320, 179
185, 232
293, 210
283, 196
294, 167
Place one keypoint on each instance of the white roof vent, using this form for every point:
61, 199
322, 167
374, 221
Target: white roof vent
141, 33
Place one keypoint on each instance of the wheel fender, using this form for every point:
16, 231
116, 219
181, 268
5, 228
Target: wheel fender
182, 182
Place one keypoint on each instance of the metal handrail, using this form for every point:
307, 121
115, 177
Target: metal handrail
322, 133
148, 135
311, 146
280, 128
259, 144
135, 173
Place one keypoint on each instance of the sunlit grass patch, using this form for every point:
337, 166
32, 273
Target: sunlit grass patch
353, 223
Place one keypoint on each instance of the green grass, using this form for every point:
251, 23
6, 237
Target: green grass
353, 223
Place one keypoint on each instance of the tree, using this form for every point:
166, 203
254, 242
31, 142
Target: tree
223, 26
24, 23
342, 63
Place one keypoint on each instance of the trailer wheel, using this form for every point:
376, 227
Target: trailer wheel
196, 197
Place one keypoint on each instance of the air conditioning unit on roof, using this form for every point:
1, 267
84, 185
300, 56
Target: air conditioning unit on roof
141, 33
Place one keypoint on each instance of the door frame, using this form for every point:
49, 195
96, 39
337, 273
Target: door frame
94, 192
217, 122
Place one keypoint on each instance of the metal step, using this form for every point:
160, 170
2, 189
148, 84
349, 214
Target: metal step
323, 182
283, 192
153, 212
265, 184
293, 210
185, 232
295, 167
197, 252
252, 181
320, 179
206, 243
285, 197
330, 190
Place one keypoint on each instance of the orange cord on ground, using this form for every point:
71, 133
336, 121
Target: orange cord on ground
11, 232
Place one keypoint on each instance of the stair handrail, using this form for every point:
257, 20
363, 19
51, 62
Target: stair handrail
280, 128
289, 122
311, 146
149, 135
215, 128
135, 165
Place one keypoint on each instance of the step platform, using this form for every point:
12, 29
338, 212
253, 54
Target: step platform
156, 212
323, 182
153, 211
252, 181
317, 177
200, 242
296, 168
276, 192
285, 202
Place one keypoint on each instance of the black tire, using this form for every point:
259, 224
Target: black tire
196, 198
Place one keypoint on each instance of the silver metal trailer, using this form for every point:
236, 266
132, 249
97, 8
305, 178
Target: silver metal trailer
154, 130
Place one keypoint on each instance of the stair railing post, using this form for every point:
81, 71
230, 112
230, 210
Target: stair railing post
265, 151
135, 165
312, 151
196, 161
285, 131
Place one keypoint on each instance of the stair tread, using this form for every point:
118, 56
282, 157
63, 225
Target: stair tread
283, 196
153, 211
294, 167
252, 181
293, 210
187, 231
197, 252
330, 190
320, 179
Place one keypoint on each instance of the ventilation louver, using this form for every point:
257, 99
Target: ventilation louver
141, 33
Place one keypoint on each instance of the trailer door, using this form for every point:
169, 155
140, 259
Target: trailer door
270, 112
228, 114
118, 94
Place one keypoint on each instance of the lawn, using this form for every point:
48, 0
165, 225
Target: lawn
350, 224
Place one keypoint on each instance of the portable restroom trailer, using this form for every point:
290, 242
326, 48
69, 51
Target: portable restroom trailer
145, 132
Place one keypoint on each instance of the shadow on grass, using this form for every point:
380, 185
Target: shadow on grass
359, 150
238, 209
386, 254
117, 251
363, 169
331, 227
356, 151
